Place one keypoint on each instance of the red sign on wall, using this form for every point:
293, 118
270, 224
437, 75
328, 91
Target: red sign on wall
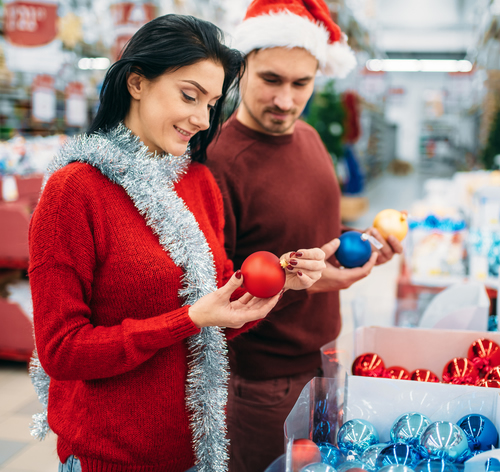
30, 23
128, 17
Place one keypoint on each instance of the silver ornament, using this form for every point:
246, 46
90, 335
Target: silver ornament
444, 440
408, 428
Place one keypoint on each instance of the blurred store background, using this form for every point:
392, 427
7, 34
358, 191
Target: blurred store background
415, 127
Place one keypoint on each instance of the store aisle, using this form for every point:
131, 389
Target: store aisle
371, 300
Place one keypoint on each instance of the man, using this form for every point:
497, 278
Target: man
280, 191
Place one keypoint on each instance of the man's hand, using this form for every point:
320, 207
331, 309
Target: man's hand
335, 278
391, 246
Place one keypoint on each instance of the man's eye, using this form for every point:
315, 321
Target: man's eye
270, 81
187, 97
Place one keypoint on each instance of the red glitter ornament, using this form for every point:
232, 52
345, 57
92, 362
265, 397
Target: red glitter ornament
368, 365
460, 371
493, 374
489, 383
397, 373
424, 375
485, 355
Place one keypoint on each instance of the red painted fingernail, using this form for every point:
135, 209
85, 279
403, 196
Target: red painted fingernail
293, 262
289, 267
238, 274
298, 254
292, 254
299, 273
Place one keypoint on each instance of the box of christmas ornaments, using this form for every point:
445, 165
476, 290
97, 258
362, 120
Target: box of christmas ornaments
414, 400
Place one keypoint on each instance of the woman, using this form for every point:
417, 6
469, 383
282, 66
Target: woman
126, 254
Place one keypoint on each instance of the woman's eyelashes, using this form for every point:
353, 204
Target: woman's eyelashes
188, 97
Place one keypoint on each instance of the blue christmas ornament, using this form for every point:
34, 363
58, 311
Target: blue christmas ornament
443, 440
317, 467
435, 465
330, 454
480, 431
408, 428
354, 249
396, 468
492, 465
356, 435
398, 453
369, 457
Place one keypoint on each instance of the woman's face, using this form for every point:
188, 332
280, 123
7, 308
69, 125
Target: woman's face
167, 112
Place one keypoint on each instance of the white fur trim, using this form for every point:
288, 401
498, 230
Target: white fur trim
285, 29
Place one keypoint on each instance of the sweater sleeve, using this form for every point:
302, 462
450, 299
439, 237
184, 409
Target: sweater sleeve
62, 263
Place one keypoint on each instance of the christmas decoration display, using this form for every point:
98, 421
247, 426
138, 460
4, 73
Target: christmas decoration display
481, 368
354, 249
391, 222
263, 275
480, 431
356, 435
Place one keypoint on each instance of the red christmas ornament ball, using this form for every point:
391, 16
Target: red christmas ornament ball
493, 374
368, 365
485, 354
424, 375
263, 275
489, 383
397, 373
304, 451
460, 371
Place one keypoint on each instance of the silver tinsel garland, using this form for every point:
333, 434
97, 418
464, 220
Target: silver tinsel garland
149, 181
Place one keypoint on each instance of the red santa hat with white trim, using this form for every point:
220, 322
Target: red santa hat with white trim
296, 23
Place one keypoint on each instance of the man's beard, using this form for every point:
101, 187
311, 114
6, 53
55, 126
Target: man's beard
277, 126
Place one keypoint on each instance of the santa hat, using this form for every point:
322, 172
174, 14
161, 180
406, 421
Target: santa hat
296, 23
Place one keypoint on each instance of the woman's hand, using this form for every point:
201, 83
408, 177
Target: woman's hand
303, 267
216, 309
391, 246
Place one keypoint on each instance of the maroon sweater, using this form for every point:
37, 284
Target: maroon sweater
110, 328
280, 194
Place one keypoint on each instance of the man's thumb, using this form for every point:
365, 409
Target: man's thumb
330, 248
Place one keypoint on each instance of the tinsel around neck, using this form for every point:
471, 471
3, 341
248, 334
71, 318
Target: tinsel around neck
148, 179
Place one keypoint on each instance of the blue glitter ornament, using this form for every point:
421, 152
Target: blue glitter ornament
356, 435
330, 454
398, 453
480, 431
317, 467
435, 465
354, 250
396, 468
492, 465
408, 428
443, 440
369, 457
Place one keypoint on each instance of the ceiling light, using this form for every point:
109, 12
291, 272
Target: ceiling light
418, 65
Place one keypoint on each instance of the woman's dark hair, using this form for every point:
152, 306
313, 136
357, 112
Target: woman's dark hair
166, 44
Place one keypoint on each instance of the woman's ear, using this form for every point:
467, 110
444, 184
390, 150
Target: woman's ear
135, 85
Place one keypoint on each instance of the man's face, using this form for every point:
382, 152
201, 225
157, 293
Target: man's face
275, 89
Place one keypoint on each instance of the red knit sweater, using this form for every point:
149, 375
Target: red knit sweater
110, 329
